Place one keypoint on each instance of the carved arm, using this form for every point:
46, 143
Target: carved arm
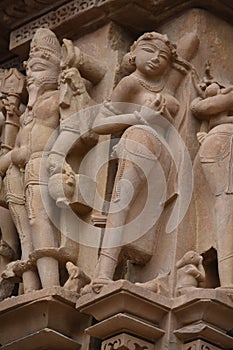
210, 106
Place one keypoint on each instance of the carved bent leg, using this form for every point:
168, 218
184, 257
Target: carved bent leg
44, 233
138, 151
119, 208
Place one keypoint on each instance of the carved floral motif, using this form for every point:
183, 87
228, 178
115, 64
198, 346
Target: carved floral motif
200, 345
126, 342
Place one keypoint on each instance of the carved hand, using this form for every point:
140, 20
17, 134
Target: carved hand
201, 136
148, 115
10, 108
55, 163
156, 103
192, 270
62, 186
72, 77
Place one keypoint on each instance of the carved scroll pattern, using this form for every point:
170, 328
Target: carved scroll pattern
126, 342
199, 345
50, 20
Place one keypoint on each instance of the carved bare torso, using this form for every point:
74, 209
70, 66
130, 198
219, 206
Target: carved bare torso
38, 125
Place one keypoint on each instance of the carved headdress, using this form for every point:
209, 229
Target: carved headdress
164, 44
46, 45
167, 46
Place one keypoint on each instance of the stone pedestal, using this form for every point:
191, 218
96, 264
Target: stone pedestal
205, 315
44, 319
129, 316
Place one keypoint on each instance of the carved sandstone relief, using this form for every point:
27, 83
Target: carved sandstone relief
143, 107
190, 273
213, 108
25, 173
11, 87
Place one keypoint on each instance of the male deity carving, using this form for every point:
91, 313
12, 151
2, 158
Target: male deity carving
56, 91
138, 105
25, 175
214, 109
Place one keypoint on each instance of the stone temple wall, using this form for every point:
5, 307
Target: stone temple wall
116, 190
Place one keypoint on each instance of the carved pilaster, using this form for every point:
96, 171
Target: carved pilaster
126, 342
199, 345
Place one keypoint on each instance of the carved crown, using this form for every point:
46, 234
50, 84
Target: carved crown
45, 45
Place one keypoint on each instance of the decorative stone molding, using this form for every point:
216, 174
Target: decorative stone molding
43, 326
53, 20
123, 307
17, 11
204, 314
84, 15
125, 297
125, 323
199, 345
126, 342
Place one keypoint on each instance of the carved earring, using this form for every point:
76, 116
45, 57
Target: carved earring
25, 64
132, 59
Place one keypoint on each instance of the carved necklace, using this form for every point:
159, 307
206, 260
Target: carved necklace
150, 87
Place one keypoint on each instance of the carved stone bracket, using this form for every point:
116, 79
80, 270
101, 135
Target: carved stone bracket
199, 345
123, 307
126, 342
207, 315
50, 321
125, 323
125, 297
202, 317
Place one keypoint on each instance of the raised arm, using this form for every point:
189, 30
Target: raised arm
122, 111
119, 113
210, 106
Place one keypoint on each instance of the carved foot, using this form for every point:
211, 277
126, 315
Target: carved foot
77, 278
157, 285
184, 290
96, 286
150, 285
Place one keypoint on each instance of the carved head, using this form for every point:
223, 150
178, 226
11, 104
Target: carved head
212, 90
191, 257
152, 53
43, 65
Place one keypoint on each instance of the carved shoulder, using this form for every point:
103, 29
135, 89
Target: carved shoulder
126, 89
